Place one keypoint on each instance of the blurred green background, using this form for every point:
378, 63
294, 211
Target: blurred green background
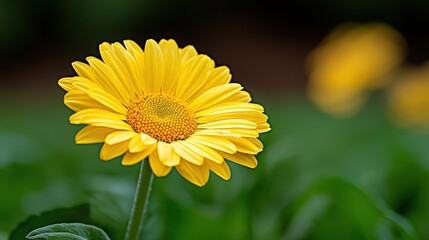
319, 177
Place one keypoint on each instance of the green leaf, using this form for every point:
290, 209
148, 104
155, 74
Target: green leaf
311, 211
3, 236
68, 231
110, 204
78, 213
356, 214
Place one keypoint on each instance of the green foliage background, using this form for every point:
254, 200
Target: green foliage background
318, 178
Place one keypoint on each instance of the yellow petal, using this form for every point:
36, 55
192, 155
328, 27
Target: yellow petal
93, 112
132, 68
133, 158
228, 132
107, 100
135, 50
87, 72
109, 152
230, 107
198, 175
214, 96
154, 66
244, 145
241, 96
119, 65
77, 100
170, 51
91, 134
193, 75
256, 117
105, 47
174, 159
228, 123
187, 53
256, 142
167, 155
218, 76
219, 143
140, 142
131, 45
159, 169
247, 160
100, 118
107, 78
204, 151
222, 170
83, 70
66, 84
83, 84
119, 136
186, 153
263, 127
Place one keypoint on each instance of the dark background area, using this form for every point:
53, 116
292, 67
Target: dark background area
265, 43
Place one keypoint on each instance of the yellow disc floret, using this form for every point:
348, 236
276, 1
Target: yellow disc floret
161, 117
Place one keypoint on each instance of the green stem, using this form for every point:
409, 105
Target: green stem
141, 197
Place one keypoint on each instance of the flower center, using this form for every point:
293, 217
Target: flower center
161, 117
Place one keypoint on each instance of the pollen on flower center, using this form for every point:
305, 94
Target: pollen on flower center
161, 117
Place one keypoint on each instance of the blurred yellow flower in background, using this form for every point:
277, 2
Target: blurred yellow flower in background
352, 60
409, 97
166, 103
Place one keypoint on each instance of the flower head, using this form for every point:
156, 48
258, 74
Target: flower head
409, 99
166, 103
352, 61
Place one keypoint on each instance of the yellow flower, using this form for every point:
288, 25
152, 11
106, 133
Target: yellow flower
352, 61
409, 98
166, 103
